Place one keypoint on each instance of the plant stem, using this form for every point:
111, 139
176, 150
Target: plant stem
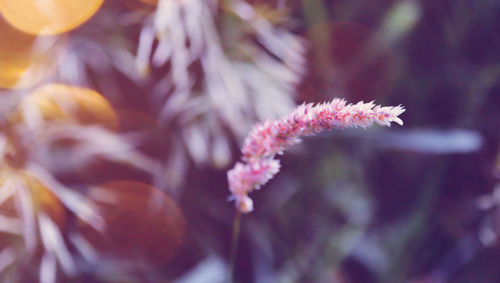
234, 246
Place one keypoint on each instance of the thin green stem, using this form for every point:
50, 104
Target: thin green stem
234, 246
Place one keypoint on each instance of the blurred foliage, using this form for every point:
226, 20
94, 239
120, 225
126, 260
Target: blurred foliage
119, 119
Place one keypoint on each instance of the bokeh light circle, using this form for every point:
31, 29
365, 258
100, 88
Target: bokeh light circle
143, 224
69, 104
40, 198
48, 17
25, 59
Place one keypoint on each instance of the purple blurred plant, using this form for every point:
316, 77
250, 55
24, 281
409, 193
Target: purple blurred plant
239, 73
270, 138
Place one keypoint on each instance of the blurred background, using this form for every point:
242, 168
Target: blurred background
119, 120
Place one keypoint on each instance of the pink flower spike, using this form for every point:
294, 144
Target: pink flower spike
270, 138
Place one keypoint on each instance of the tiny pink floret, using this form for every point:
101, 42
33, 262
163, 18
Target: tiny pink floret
270, 138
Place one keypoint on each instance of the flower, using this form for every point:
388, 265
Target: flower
270, 138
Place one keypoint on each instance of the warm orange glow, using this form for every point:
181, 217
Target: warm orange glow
152, 2
21, 65
69, 104
42, 200
142, 223
48, 17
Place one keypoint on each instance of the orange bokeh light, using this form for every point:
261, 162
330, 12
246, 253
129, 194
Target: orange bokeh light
143, 224
68, 104
42, 200
22, 64
152, 2
48, 17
